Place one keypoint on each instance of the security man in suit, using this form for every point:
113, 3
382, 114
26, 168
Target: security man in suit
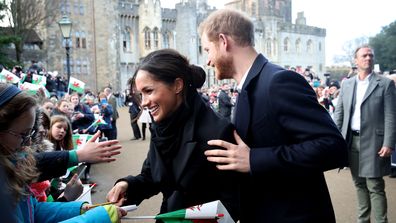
366, 115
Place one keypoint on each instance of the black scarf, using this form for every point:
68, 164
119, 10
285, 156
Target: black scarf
167, 135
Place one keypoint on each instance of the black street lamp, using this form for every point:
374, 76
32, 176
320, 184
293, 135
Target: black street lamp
65, 26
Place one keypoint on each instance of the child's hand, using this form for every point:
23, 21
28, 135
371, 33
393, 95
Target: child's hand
74, 188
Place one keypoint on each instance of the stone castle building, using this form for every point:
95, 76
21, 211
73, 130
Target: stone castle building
109, 38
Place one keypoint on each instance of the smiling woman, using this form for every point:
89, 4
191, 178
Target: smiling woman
182, 125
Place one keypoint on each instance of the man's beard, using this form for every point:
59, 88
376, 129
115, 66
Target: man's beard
224, 68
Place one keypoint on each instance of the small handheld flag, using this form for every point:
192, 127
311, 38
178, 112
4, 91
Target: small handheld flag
204, 213
76, 85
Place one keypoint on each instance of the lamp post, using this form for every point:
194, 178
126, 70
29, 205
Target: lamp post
65, 26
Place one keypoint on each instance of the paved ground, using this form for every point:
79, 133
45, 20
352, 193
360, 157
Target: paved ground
130, 161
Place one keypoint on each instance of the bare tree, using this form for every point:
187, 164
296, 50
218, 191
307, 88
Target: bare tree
25, 16
350, 46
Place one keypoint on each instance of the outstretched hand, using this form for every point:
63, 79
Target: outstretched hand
99, 152
234, 157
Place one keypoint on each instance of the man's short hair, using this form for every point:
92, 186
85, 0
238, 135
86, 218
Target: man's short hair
360, 47
229, 22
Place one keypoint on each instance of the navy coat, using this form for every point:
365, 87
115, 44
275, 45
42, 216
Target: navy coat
293, 140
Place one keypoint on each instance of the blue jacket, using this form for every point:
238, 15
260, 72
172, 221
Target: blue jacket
29, 210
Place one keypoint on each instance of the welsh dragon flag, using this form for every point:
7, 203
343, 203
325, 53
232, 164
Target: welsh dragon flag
80, 139
204, 213
30, 88
8, 77
98, 121
39, 79
76, 85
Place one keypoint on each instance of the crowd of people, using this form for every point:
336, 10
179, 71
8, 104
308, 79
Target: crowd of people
263, 142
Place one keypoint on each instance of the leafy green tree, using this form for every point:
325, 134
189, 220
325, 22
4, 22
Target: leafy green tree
385, 48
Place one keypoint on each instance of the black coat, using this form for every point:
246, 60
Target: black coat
193, 180
225, 105
51, 164
293, 140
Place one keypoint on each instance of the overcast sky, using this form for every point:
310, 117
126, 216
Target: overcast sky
343, 20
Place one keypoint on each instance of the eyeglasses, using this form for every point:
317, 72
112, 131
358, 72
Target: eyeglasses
24, 136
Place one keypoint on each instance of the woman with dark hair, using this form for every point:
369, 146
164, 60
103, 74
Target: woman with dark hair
182, 124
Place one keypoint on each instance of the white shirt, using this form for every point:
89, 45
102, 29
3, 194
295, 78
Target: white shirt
361, 88
240, 85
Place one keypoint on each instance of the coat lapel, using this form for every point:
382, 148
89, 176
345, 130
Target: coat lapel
349, 89
372, 85
187, 144
242, 113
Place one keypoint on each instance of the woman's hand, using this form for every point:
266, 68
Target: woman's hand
117, 193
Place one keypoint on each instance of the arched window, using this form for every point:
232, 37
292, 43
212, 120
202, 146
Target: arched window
84, 68
298, 45
78, 66
78, 43
309, 46
147, 38
155, 36
274, 47
269, 47
286, 43
126, 40
83, 40
166, 40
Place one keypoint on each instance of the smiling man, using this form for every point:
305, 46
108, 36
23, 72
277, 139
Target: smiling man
285, 139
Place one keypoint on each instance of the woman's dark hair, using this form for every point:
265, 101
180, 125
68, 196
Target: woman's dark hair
167, 64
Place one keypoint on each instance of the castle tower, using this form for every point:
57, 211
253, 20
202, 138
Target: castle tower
186, 30
106, 42
150, 25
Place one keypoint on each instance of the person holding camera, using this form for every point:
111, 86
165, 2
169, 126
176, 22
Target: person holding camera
82, 116
106, 112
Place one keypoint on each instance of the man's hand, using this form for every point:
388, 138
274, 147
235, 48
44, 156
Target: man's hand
234, 157
385, 151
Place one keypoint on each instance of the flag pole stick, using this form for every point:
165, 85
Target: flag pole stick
101, 204
139, 217
89, 189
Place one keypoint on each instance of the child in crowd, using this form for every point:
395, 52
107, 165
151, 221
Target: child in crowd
60, 133
48, 105
17, 116
62, 108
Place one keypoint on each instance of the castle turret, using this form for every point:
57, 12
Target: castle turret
186, 30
